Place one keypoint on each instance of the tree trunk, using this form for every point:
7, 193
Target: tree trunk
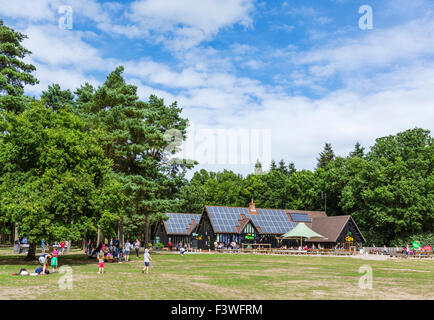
16, 237
121, 231
98, 238
31, 255
146, 230
83, 243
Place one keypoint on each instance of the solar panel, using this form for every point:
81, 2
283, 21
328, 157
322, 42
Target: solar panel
272, 221
179, 222
300, 217
225, 219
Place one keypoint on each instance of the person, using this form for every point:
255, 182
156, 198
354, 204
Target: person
182, 251
115, 250
137, 247
43, 260
24, 240
111, 245
127, 250
43, 246
170, 245
147, 259
66, 244
120, 253
100, 263
89, 247
54, 261
384, 250
234, 246
62, 247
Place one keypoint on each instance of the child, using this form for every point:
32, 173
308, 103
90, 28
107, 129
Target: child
182, 251
147, 261
101, 263
54, 261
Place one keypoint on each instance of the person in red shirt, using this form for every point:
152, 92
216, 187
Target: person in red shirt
170, 245
62, 245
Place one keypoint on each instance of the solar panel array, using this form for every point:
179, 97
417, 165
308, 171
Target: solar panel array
225, 219
300, 217
179, 222
272, 221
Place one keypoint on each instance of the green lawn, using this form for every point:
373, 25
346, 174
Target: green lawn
222, 276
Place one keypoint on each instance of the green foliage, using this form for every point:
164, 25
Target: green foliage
56, 98
326, 156
14, 73
51, 173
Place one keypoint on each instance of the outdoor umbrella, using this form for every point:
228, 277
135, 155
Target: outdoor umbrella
301, 231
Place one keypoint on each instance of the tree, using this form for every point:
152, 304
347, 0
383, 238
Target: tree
273, 165
14, 73
52, 172
56, 98
359, 151
282, 167
325, 156
134, 136
390, 193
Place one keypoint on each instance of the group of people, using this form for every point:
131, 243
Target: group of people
114, 249
147, 261
232, 245
46, 259
62, 245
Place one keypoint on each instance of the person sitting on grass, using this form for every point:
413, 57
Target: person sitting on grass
101, 263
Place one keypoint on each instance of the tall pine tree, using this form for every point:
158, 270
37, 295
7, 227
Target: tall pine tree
14, 73
325, 156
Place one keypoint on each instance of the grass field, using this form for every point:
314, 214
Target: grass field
222, 276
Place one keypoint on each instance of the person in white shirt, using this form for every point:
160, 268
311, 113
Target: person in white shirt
147, 261
127, 250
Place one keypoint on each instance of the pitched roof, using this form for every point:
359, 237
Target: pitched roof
311, 214
329, 227
266, 221
181, 223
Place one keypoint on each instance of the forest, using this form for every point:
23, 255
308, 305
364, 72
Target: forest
80, 164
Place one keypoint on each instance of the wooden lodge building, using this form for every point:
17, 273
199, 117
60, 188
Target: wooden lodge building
179, 227
257, 225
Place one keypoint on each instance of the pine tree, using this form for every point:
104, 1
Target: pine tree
273, 165
56, 98
325, 156
282, 167
132, 133
14, 73
359, 151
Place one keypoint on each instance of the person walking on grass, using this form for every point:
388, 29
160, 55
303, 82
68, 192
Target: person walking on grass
147, 259
100, 263
127, 250
137, 247
182, 251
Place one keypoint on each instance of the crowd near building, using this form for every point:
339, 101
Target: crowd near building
224, 225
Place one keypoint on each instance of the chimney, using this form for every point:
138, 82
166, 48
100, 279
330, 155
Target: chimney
252, 208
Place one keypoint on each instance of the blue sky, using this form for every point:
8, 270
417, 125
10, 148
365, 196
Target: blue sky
300, 70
